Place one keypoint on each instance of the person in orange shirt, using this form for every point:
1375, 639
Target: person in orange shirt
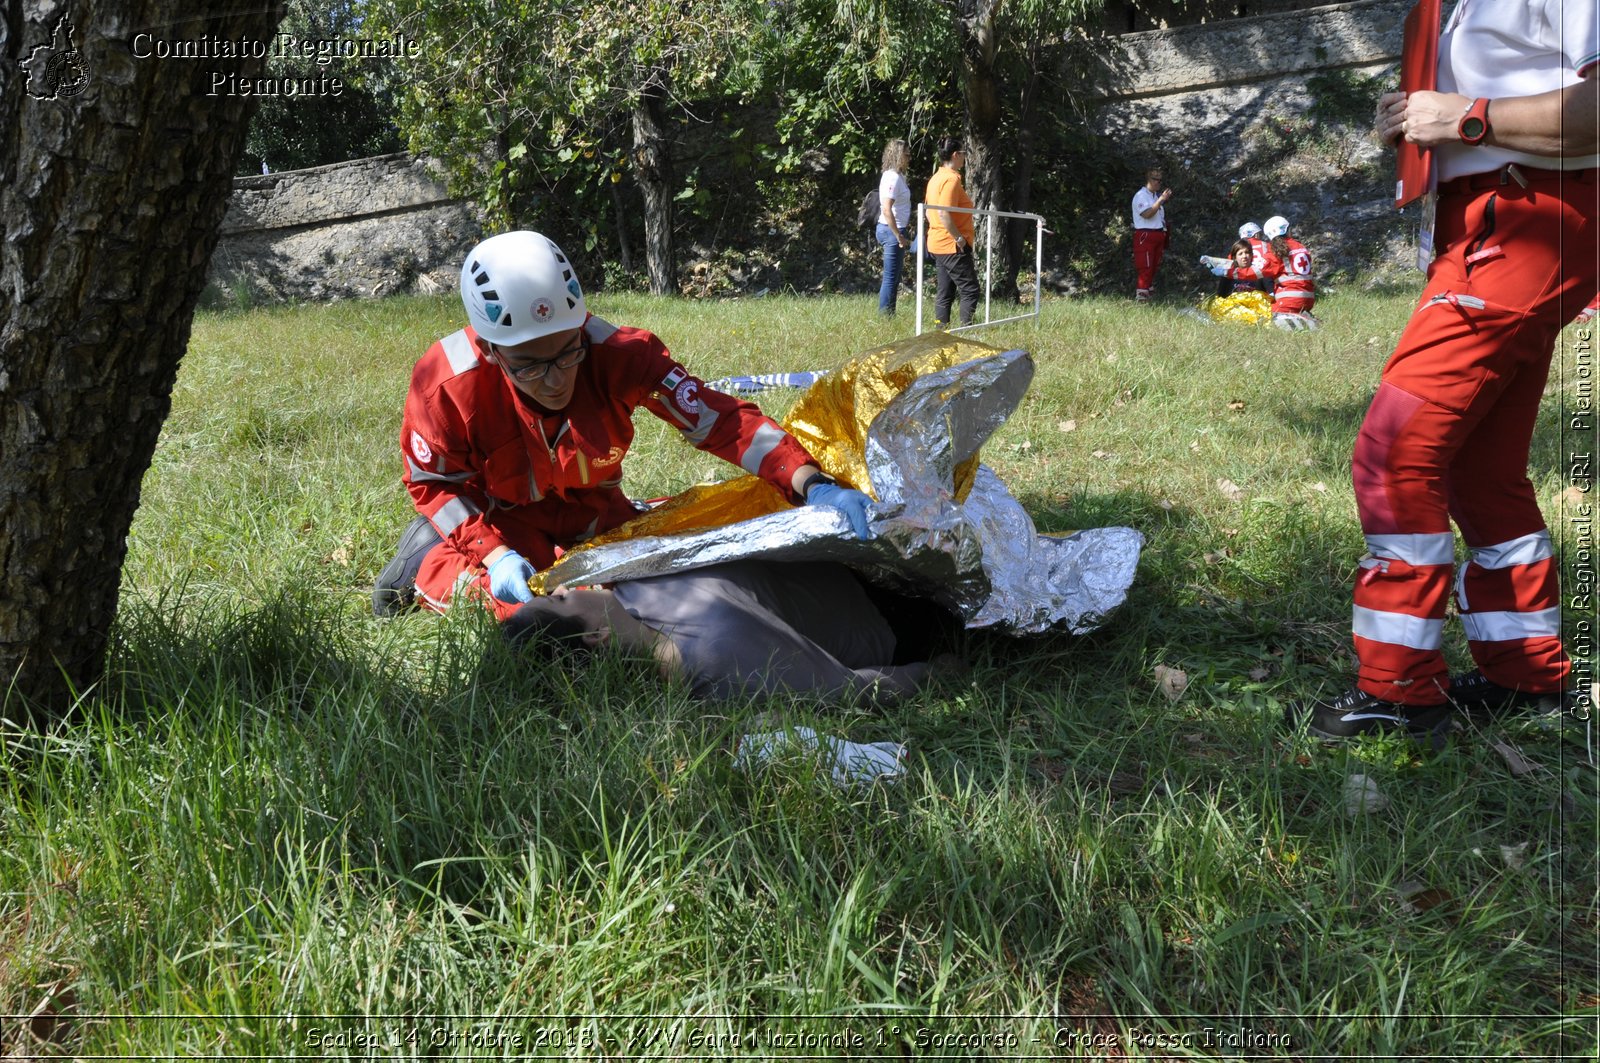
950, 236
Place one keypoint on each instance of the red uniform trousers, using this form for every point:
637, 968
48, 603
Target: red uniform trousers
1448, 436
1149, 245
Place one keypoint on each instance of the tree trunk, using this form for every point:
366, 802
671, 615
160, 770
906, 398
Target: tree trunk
1018, 231
980, 83
112, 189
652, 168
624, 247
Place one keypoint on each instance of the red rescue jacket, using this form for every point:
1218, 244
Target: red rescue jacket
489, 467
1292, 274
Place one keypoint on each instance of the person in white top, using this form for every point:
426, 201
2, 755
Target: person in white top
1149, 232
1514, 126
894, 199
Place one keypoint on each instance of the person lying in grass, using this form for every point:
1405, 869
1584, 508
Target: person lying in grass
753, 627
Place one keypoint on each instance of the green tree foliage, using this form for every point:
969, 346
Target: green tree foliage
1002, 56
574, 116
290, 132
542, 108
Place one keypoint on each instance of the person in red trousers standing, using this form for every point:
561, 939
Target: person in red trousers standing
1149, 233
1513, 127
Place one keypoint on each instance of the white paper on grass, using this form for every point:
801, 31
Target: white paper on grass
849, 763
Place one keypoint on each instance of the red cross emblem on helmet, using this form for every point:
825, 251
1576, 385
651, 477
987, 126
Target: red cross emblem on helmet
542, 309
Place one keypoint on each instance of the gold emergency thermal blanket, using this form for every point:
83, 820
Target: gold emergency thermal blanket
903, 423
1241, 308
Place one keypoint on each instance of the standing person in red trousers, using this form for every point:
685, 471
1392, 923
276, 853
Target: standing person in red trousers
1149, 233
1513, 127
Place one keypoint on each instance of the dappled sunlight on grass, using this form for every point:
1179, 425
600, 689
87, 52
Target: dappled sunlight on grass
277, 804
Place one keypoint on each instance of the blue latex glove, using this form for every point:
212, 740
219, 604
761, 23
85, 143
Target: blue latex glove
847, 500
1219, 271
509, 576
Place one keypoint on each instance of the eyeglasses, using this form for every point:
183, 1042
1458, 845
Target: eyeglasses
565, 358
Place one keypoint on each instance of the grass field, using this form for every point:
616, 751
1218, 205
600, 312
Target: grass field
285, 828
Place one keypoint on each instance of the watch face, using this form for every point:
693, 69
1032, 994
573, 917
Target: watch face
1472, 128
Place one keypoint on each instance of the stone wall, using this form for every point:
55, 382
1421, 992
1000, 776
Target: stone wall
1285, 44
355, 229
1236, 106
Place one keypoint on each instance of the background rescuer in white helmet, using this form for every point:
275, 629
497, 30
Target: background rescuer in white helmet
515, 430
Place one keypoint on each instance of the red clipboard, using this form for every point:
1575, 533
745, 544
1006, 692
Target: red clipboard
1419, 70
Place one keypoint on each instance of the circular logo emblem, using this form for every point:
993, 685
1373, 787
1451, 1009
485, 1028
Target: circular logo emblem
688, 397
542, 309
420, 448
65, 74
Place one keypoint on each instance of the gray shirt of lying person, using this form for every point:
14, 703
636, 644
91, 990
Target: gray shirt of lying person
760, 628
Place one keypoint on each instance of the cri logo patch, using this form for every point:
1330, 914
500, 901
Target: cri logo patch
688, 397
420, 449
543, 310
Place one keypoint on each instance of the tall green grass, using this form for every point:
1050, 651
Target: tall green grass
282, 827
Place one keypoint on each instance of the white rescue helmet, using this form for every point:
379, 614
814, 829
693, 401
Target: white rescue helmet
1249, 229
518, 286
1276, 226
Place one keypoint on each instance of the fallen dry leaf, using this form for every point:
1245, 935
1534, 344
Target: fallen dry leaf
1573, 497
1361, 795
1519, 764
1236, 405
1514, 855
1171, 681
1166, 504
1194, 447
1215, 557
1258, 673
1319, 486
1417, 898
1125, 782
1050, 768
1232, 491
52, 1016
1099, 453
1067, 426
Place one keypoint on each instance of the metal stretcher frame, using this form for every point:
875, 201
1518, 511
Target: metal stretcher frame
988, 262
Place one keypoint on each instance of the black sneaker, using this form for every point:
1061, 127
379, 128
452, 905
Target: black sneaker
1355, 712
396, 589
1478, 697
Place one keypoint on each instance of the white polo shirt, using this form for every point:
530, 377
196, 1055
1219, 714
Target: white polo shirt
1143, 200
1499, 48
892, 185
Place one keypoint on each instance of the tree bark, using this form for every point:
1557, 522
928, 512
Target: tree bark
652, 168
111, 195
624, 247
1018, 231
980, 83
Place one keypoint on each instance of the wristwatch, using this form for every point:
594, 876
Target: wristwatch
817, 481
1474, 125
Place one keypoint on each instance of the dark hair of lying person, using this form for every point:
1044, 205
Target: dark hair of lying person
546, 628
